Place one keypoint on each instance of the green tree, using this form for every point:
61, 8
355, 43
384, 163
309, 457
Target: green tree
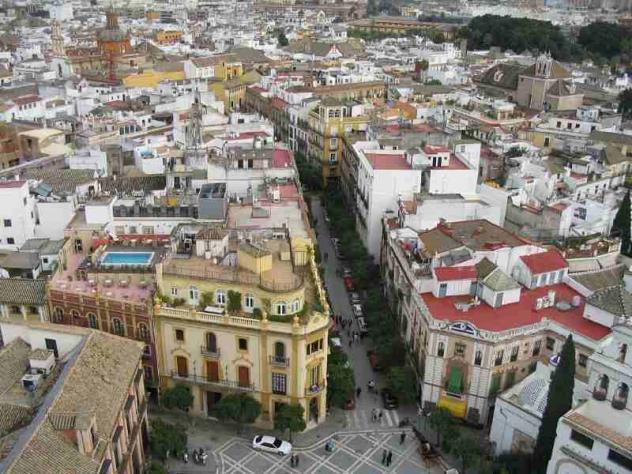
179, 396
290, 417
165, 438
621, 225
282, 39
625, 103
442, 421
234, 302
156, 467
559, 401
468, 450
340, 380
240, 408
602, 38
401, 381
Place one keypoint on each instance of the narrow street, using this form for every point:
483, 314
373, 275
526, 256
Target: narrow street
360, 418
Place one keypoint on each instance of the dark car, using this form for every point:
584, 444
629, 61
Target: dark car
374, 360
389, 400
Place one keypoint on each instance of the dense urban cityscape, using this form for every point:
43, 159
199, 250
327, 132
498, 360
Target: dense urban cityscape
292, 236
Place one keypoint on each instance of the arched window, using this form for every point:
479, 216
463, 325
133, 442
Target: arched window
623, 350
92, 321
117, 326
75, 314
281, 308
296, 306
58, 315
441, 349
249, 301
620, 397
601, 389
279, 350
211, 342
143, 331
220, 297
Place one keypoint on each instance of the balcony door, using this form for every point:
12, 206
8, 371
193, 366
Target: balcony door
212, 370
183, 366
244, 376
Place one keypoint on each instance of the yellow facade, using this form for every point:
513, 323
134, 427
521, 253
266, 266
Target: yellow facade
277, 353
168, 36
327, 126
150, 78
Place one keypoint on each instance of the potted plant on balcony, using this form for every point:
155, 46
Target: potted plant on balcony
234, 302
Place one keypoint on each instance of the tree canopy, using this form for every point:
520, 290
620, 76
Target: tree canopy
402, 382
165, 438
178, 396
340, 379
240, 408
625, 103
290, 417
517, 34
606, 39
559, 401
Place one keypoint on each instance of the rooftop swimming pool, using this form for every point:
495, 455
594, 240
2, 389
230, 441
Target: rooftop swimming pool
116, 259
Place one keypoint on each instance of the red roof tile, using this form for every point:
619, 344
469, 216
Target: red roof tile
11, 184
387, 161
544, 262
467, 272
519, 314
281, 158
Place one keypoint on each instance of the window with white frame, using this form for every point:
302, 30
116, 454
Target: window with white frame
220, 297
174, 291
194, 294
296, 306
281, 308
249, 301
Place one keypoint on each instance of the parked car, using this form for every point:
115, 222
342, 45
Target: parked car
364, 329
271, 444
357, 310
389, 400
348, 283
346, 272
374, 360
354, 298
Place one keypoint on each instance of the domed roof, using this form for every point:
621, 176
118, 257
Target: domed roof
534, 394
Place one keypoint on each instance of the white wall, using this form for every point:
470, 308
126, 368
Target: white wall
448, 181
18, 207
54, 217
599, 316
36, 337
508, 419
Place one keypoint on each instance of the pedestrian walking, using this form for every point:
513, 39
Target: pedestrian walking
349, 333
384, 454
358, 392
292, 460
350, 342
379, 416
389, 458
402, 437
296, 460
373, 414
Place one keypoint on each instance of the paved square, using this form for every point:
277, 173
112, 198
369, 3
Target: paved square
355, 453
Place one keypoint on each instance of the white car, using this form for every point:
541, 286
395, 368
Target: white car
271, 445
357, 310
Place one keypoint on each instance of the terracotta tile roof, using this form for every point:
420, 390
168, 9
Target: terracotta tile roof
614, 299
544, 262
14, 360
22, 291
593, 426
467, 272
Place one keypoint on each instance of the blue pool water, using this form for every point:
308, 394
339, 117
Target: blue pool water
126, 258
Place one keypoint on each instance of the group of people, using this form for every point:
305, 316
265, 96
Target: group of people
294, 460
387, 457
376, 415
